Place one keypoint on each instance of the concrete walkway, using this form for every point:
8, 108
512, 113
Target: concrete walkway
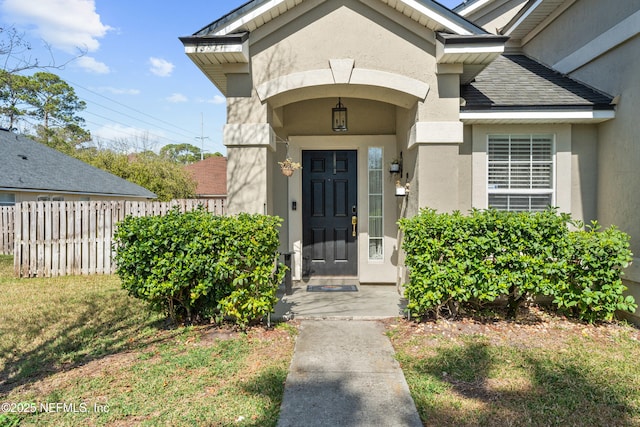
344, 374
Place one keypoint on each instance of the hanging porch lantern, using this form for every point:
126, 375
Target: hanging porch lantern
339, 117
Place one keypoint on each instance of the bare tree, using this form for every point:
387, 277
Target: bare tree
16, 53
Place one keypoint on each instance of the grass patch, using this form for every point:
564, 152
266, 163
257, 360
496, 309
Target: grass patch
83, 343
554, 373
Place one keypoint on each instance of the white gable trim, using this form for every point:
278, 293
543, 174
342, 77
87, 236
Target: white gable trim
450, 25
473, 7
606, 41
249, 16
274, 8
524, 16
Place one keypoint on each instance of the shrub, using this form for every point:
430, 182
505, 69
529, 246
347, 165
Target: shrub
194, 265
490, 255
591, 288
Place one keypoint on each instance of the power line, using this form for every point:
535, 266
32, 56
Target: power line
134, 118
130, 108
124, 131
171, 130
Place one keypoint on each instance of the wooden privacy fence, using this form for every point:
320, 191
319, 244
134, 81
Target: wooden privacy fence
70, 238
6, 229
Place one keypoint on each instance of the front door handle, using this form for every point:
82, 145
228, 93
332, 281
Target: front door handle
354, 223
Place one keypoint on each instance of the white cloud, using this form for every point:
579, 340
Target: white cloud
177, 97
64, 24
90, 64
161, 67
217, 99
118, 91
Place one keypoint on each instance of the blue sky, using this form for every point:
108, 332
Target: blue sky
138, 84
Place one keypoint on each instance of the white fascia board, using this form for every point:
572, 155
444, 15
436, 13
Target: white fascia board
523, 17
214, 48
472, 49
450, 25
597, 115
249, 16
475, 6
623, 31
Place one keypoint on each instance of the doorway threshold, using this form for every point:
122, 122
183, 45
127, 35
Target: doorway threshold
329, 280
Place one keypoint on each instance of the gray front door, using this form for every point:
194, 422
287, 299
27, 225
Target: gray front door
329, 205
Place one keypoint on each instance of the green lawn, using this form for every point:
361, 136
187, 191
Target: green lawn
547, 373
81, 352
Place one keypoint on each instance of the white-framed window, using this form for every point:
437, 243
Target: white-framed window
521, 172
47, 198
7, 199
375, 214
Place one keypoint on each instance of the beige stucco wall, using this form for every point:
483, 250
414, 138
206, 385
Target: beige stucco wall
405, 120
347, 29
594, 27
584, 172
577, 26
247, 179
365, 117
465, 172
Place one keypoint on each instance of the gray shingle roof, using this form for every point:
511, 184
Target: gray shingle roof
29, 165
519, 82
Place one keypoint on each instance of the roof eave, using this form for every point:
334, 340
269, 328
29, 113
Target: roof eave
473, 51
536, 114
212, 54
240, 19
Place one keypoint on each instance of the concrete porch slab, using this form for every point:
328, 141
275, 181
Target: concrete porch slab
369, 303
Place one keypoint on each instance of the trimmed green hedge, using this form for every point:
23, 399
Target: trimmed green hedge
489, 256
196, 265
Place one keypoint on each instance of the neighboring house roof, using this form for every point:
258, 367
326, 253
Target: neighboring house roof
517, 81
30, 166
210, 175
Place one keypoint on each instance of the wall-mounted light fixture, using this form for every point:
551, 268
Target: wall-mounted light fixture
396, 165
339, 117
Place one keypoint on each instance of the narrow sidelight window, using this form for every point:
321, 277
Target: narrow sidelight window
376, 219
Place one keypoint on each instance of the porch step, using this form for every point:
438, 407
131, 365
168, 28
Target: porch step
330, 280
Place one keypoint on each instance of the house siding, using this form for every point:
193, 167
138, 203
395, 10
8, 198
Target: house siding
618, 144
576, 27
